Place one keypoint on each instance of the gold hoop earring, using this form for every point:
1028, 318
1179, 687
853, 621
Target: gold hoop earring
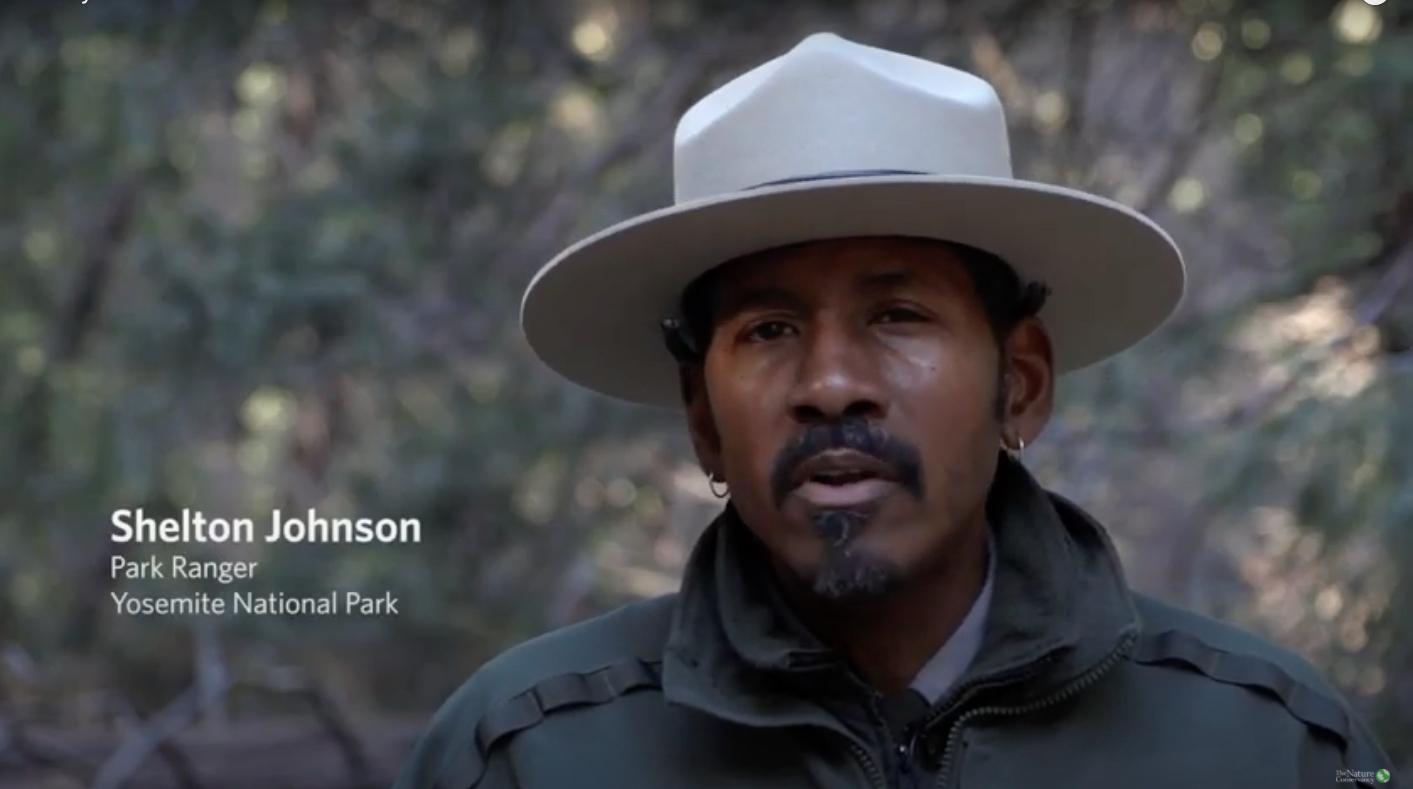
711, 483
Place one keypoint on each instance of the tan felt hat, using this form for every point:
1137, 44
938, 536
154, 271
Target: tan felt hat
835, 139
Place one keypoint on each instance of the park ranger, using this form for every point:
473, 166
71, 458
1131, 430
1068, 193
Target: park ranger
862, 313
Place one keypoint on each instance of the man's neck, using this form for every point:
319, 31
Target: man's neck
889, 640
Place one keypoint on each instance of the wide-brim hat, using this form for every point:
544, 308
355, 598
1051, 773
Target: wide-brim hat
835, 139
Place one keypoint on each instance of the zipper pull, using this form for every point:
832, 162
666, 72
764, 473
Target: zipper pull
902, 715
906, 776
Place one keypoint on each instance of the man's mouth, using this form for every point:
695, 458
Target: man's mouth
844, 493
843, 479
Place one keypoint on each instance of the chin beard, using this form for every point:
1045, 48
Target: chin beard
848, 575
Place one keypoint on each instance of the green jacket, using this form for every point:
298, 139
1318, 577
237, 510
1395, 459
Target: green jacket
1079, 682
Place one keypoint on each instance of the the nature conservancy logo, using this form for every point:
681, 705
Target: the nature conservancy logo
1363, 776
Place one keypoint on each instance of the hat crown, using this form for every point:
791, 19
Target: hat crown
830, 105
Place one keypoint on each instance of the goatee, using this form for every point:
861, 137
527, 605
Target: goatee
847, 574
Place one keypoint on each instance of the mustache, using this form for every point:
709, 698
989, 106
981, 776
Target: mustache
855, 433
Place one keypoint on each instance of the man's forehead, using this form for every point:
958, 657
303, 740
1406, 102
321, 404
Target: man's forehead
860, 265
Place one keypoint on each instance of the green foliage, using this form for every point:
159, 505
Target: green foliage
269, 254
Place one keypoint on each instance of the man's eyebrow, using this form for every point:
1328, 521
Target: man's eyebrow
774, 296
759, 297
887, 279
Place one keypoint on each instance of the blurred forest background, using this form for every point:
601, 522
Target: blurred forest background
270, 254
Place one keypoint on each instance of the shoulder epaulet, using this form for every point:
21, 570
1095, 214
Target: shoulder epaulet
1311, 705
562, 691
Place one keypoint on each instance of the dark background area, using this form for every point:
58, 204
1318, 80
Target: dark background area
270, 254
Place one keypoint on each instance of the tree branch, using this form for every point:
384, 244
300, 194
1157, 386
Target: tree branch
1185, 147
155, 733
1081, 54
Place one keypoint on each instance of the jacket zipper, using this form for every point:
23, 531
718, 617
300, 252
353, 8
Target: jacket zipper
901, 767
902, 754
905, 759
1074, 686
875, 774
876, 778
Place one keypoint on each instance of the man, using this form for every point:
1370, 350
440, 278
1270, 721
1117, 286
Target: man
865, 314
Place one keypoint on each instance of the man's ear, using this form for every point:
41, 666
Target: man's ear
1030, 378
701, 423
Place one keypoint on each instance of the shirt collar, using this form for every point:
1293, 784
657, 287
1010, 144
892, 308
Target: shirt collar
948, 663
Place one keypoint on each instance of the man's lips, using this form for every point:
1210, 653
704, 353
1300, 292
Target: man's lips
841, 467
849, 494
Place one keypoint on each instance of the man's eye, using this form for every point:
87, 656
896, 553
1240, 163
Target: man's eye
766, 330
901, 314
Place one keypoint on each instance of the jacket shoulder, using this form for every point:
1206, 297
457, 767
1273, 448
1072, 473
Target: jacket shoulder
591, 662
635, 630
1179, 639
1160, 617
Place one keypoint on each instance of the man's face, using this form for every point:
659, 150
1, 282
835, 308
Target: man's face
876, 345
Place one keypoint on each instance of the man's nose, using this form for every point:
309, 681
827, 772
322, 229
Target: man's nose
836, 378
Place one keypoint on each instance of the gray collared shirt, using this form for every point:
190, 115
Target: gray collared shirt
948, 663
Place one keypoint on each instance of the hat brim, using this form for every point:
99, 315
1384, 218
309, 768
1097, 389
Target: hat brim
593, 312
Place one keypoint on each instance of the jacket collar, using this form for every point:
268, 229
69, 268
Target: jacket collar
1060, 604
